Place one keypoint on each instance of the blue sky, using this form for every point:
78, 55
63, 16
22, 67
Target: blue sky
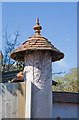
59, 23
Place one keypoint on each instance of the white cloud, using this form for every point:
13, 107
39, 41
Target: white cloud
62, 63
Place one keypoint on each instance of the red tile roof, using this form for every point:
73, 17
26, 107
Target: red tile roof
37, 42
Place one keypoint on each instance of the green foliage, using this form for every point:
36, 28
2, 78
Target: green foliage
20, 65
69, 82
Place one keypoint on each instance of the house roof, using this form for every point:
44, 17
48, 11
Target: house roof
11, 75
65, 97
8, 76
37, 42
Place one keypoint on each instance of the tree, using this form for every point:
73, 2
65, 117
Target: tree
69, 82
10, 44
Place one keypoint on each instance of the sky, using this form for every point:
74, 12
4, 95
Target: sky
59, 23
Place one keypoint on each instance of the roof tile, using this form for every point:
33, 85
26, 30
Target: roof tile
37, 42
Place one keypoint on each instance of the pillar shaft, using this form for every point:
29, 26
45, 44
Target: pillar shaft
38, 73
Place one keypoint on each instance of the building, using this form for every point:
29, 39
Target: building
66, 105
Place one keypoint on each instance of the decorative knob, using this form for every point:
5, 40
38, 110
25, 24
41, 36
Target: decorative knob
37, 27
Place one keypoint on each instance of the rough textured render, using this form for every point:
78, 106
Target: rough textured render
38, 70
12, 100
9, 100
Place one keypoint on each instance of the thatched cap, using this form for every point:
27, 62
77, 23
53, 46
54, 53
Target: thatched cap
35, 43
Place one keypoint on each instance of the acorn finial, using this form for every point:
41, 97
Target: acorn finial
37, 27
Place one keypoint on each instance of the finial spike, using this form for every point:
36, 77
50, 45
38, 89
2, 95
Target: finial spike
37, 27
37, 20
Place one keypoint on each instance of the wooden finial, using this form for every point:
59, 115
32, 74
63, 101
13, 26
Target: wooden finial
37, 27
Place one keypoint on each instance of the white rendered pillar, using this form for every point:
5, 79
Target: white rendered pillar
38, 73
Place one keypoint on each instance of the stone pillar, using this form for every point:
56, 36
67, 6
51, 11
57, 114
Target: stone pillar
38, 54
38, 70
